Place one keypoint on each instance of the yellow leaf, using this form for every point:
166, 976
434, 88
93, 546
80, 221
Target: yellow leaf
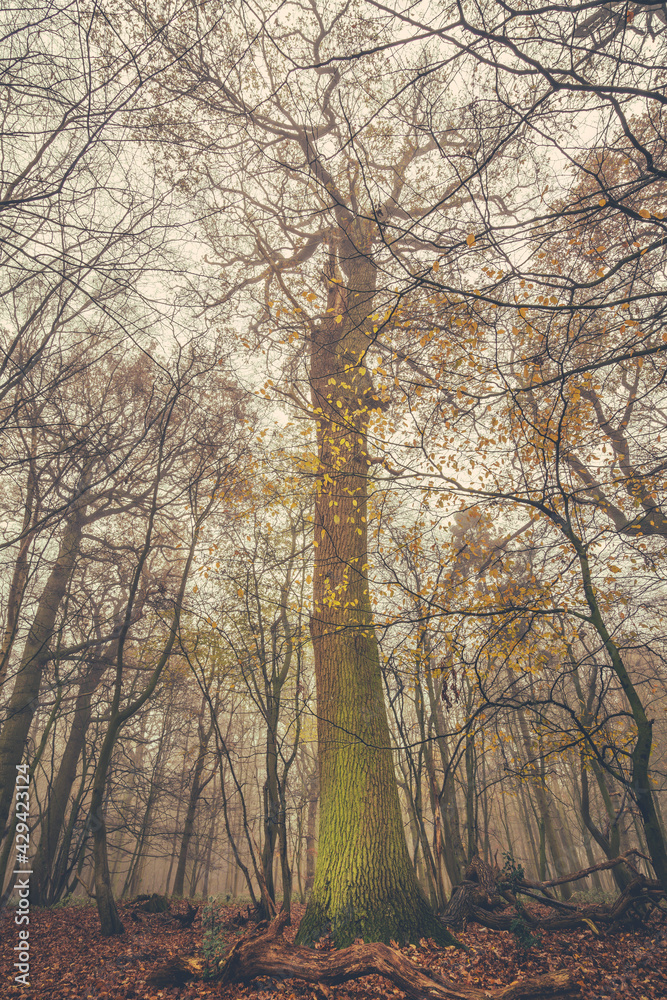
339, 319
645, 214
602, 202
470, 239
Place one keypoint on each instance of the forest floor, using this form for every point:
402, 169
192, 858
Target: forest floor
70, 960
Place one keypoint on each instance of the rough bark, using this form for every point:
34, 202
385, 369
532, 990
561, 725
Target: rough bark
365, 885
311, 828
265, 953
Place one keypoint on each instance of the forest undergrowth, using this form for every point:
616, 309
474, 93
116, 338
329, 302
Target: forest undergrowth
70, 960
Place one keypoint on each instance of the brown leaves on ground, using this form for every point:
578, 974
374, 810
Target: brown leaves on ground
70, 960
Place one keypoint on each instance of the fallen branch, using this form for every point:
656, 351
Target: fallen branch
639, 890
263, 952
601, 866
476, 898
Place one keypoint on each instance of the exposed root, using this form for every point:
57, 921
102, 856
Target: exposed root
264, 952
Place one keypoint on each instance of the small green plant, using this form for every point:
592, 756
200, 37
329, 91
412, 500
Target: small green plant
213, 941
64, 901
71, 900
522, 934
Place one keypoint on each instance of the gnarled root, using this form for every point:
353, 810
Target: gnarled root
264, 952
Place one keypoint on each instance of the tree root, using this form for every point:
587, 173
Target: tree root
263, 952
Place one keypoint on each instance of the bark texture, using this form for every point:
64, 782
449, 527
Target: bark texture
365, 885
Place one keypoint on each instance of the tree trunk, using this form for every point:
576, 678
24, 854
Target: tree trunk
545, 803
640, 780
110, 922
196, 788
454, 853
211, 838
365, 885
611, 844
23, 702
61, 789
20, 574
311, 828
271, 793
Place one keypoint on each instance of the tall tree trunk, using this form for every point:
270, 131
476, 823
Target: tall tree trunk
471, 797
365, 885
20, 574
210, 841
23, 702
271, 794
62, 785
196, 788
110, 922
611, 842
640, 778
545, 804
453, 851
137, 865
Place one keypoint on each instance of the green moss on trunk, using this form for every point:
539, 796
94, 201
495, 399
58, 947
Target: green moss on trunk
365, 885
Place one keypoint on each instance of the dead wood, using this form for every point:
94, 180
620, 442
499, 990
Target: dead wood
639, 891
176, 972
187, 919
264, 952
601, 866
476, 898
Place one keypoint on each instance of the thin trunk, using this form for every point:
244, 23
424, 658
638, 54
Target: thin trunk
20, 574
453, 850
63, 783
196, 788
640, 779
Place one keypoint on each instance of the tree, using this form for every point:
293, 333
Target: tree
364, 884
206, 478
